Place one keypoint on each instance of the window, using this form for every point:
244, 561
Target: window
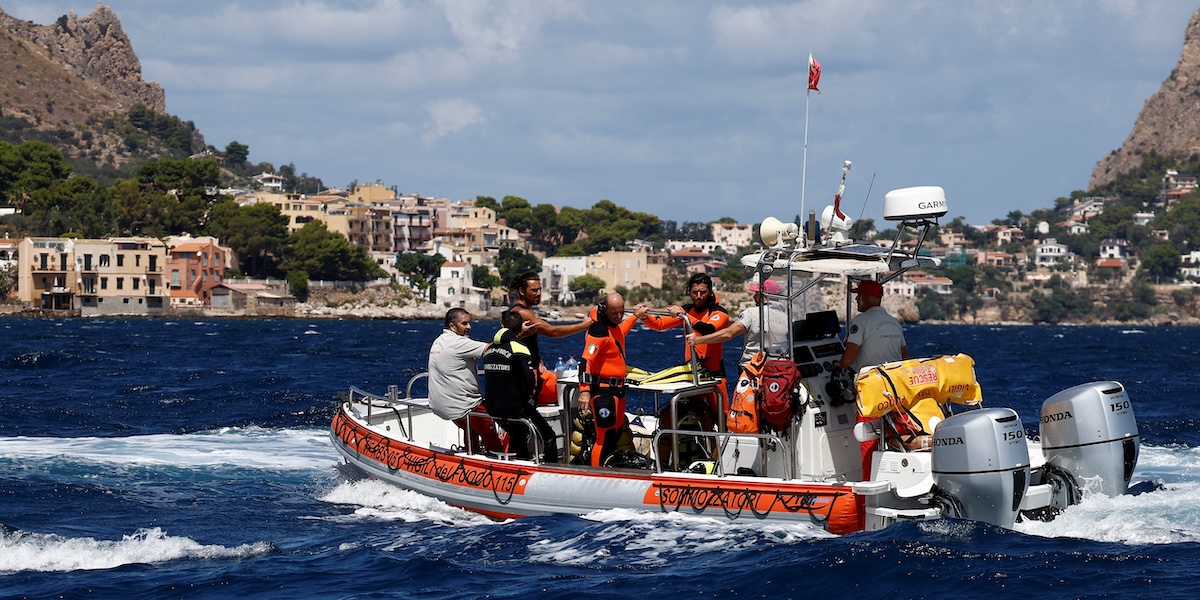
87, 262
104, 283
137, 260
120, 283
136, 281
120, 260
153, 263
174, 277
105, 260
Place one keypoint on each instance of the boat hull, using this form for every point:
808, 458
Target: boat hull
515, 488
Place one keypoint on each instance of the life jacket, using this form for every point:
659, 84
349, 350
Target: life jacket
743, 407
899, 385
704, 321
780, 393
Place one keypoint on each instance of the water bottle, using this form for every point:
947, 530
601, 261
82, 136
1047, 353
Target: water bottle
572, 365
559, 367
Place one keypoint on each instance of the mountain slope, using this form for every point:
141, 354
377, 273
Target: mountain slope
73, 84
1169, 123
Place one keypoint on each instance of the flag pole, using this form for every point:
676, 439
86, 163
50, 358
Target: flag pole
814, 78
804, 160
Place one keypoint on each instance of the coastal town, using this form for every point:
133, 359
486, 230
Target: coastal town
1011, 263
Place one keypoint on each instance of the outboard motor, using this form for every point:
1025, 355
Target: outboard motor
980, 465
1089, 431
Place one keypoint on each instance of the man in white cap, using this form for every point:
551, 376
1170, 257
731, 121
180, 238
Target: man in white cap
748, 323
875, 337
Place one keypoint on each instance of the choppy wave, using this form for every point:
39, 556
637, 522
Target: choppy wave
25, 551
242, 447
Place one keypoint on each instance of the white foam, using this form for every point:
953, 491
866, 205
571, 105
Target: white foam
377, 500
1167, 516
248, 447
656, 538
1168, 463
23, 551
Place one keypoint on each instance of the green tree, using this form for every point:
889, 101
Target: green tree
488, 202
586, 286
7, 276
1161, 262
236, 153
484, 278
422, 268
732, 276
130, 206
28, 169
512, 262
257, 234
326, 255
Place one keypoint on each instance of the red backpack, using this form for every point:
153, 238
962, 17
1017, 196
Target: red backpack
743, 407
779, 393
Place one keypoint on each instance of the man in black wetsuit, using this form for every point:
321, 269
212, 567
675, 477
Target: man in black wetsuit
510, 381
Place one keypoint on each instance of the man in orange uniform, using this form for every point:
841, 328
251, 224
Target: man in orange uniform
706, 316
528, 290
602, 372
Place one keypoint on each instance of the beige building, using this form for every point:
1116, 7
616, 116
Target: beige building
732, 236
630, 269
363, 225
118, 276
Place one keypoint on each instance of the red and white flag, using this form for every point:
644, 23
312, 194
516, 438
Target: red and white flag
814, 73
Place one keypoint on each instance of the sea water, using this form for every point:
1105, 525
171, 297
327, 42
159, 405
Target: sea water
155, 458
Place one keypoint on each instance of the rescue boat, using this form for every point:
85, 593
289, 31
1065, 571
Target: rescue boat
909, 440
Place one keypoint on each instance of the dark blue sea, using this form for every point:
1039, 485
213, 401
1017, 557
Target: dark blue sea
155, 458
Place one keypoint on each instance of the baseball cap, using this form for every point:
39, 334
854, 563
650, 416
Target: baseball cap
770, 286
870, 288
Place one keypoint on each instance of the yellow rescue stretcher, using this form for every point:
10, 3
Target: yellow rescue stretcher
914, 390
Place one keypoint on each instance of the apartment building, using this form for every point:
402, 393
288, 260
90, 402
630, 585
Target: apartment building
119, 276
194, 267
628, 268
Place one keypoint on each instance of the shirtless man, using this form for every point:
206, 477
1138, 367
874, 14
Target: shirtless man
528, 290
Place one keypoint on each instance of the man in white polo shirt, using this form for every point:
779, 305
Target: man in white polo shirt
874, 337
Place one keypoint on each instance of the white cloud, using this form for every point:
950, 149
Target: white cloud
684, 105
451, 115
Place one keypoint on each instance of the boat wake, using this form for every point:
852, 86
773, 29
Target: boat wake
24, 551
253, 448
376, 500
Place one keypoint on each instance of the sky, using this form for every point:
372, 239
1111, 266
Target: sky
691, 110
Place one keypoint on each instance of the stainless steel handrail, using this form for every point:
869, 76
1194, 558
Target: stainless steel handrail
789, 468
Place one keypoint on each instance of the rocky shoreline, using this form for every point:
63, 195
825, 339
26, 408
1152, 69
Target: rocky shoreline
392, 305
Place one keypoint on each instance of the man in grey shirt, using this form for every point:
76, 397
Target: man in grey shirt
454, 382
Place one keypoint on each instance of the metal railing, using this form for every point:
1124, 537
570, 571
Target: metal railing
722, 438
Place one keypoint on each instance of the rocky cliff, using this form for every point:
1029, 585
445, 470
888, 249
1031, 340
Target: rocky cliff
94, 47
1170, 120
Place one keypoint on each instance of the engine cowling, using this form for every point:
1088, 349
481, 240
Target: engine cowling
1090, 431
980, 459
